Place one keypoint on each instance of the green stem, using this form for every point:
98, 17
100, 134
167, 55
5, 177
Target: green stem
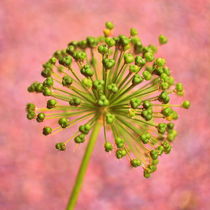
93, 64
83, 167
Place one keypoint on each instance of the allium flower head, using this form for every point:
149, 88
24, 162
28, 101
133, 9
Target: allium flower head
118, 81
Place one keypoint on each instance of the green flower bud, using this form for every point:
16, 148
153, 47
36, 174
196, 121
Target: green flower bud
133, 68
147, 104
108, 147
145, 138
170, 126
110, 118
147, 173
87, 83
60, 146
170, 80
65, 61
128, 58
39, 87
73, 43
74, 101
123, 40
171, 135
152, 49
40, 117
103, 49
154, 154
135, 40
46, 91
79, 55
108, 63
135, 103
47, 130
167, 111
167, 148
119, 142
30, 107
82, 44
139, 61
92, 41
147, 75
70, 49
160, 150
63, 122
167, 151
109, 25
149, 56
59, 54
133, 32
110, 41
51, 103
138, 47
147, 114
160, 62
113, 88
48, 82
163, 97
161, 128
186, 104
32, 87
152, 168
164, 77
166, 70
67, 81
146, 49
164, 85
31, 115
53, 60
149, 107
80, 139
48, 64
174, 115
137, 79
120, 153
162, 39
158, 70
135, 163
46, 72
85, 128
103, 101
165, 144
98, 84
179, 87
87, 71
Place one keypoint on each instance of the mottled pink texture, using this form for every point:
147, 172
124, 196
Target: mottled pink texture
36, 177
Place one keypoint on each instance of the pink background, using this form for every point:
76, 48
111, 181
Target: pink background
33, 176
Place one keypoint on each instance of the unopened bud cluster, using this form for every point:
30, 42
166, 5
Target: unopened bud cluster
120, 80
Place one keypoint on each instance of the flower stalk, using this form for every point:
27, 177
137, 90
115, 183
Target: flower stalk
83, 166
